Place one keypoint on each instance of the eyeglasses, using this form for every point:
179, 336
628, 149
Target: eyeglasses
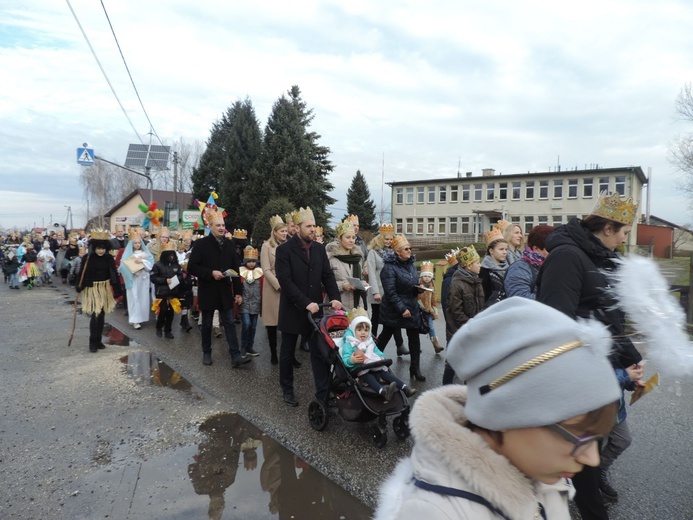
580, 444
406, 249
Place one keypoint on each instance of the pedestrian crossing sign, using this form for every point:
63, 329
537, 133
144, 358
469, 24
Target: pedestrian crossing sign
85, 156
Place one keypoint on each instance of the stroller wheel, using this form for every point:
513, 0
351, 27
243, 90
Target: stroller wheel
317, 415
379, 437
400, 426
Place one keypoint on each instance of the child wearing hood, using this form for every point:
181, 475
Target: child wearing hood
359, 348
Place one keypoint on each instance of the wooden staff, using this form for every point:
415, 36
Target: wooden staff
74, 314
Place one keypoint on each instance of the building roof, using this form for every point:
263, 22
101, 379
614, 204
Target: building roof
160, 196
637, 170
656, 221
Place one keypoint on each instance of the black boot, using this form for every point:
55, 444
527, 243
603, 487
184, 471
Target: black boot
402, 350
415, 372
605, 487
273, 352
184, 323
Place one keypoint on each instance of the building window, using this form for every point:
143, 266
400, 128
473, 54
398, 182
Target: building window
431, 194
464, 225
529, 190
490, 189
419, 226
515, 220
558, 188
620, 185
557, 220
399, 196
517, 189
453, 193
529, 224
420, 195
587, 185
603, 184
431, 226
544, 190
572, 188
441, 225
398, 226
453, 225
442, 194
410, 195
465, 193
543, 220
570, 217
478, 190
502, 191
410, 226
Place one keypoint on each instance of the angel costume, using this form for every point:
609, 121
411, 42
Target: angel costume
137, 284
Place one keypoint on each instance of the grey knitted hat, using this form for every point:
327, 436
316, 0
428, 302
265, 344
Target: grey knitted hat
527, 364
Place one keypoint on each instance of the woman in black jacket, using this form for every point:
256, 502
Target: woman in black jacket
166, 272
399, 307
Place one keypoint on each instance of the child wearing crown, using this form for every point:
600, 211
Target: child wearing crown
252, 300
359, 348
428, 303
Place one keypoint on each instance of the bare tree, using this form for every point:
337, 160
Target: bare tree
682, 235
189, 153
681, 150
105, 186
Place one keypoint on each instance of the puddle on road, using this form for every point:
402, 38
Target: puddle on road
237, 465
146, 367
114, 336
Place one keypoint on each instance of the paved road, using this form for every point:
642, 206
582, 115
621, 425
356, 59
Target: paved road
50, 438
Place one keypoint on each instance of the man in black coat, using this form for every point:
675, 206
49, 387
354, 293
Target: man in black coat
303, 269
210, 261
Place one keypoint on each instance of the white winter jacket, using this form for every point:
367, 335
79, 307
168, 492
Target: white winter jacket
450, 455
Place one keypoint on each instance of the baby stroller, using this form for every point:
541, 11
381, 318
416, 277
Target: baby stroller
355, 401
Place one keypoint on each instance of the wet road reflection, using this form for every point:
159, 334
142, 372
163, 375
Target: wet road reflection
144, 366
114, 336
289, 487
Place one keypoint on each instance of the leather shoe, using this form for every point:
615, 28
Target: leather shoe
207, 358
402, 351
416, 374
237, 362
159, 333
290, 399
100, 346
217, 332
168, 335
252, 352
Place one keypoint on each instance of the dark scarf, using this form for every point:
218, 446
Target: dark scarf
532, 258
355, 261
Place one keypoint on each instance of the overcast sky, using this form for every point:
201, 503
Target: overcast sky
514, 86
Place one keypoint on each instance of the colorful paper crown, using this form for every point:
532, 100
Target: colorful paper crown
451, 257
355, 313
302, 214
211, 212
427, 268
319, 230
492, 235
240, 234
346, 226
387, 228
100, 234
250, 253
614, 208
399, 242
353, 219
467, 256
275, 222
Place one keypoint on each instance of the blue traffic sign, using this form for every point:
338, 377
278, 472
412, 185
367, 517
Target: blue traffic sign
85, 156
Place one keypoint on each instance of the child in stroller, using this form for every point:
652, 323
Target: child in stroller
358, 348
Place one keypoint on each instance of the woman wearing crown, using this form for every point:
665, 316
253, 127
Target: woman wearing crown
583, 254
135, 265
271, 287
346, 259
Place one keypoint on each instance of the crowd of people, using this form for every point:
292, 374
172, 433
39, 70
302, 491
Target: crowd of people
555, 277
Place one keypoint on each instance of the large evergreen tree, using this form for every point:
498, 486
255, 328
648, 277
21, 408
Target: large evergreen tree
359, 202
261, 228
242, 150
292, 164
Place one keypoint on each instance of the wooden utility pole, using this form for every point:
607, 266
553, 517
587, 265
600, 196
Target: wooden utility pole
175, 179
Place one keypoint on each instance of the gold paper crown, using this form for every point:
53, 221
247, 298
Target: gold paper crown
319, 230
100, 234
133, 233
502, 224
354, 219
451, 257
250, 253
168, 246
492, 235
187, 234
387, 228
240, 234
344, 227
399, 242
276, 221
164, 232
302, 214
614, 208
426, 267
355, 313
467, 256
289, 217
209, 213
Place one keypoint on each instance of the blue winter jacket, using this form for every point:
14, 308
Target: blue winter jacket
399, 279
626, 384
520, 280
